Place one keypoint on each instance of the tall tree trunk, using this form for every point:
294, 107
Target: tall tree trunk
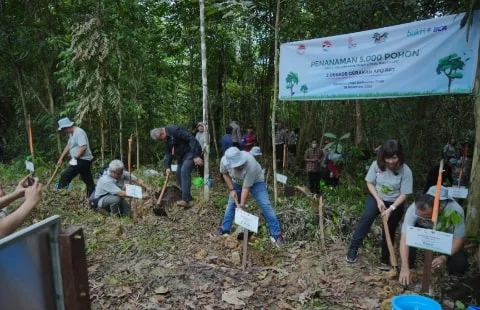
19, 85
473, 207
206, 190
51, 101
102, 140
275, 99
120, 110
359, 130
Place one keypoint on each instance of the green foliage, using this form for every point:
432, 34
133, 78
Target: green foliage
335, 146
459, 305
448, 218
450, 66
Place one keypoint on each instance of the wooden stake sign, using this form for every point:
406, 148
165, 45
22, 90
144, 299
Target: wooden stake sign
248, 222
428, 256
30, 136
133, 201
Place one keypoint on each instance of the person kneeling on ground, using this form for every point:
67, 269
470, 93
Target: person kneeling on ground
243, 175
419, 214
109, 192
32, 195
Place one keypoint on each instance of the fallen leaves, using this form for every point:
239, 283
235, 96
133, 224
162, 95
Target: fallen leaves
235, 296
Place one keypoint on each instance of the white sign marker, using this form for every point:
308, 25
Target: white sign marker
246, 220
429, 239
281, 178
29, 166
133, 191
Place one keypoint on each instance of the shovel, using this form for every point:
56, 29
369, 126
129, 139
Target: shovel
159, 207
53, 175
393, 259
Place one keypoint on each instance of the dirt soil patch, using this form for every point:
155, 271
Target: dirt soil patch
177, 262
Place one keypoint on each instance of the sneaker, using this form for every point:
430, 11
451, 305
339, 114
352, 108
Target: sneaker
278, 240
220, 232
352, 256
182, 203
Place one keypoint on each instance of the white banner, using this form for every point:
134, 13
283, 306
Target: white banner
430, 57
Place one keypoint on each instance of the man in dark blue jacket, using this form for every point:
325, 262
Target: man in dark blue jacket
183, 146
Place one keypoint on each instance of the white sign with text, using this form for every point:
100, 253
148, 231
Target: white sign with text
134, 191
428, 239
246, 220
29, 166
281, 178
458, 192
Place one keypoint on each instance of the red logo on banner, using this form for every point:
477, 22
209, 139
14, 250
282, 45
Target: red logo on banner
301, 49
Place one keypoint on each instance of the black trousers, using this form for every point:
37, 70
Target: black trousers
314, 181
369, 215
83, 168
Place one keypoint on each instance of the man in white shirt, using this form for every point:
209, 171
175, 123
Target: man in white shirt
80, 153
110, 194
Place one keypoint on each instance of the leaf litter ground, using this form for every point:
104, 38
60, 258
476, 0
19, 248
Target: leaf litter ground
177, 262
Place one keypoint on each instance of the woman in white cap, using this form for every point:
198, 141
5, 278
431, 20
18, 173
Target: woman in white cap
243, 175
81, 155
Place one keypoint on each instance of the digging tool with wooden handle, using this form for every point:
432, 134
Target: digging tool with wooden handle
133, 201
53, 176
159, 207
391, 250
245, 243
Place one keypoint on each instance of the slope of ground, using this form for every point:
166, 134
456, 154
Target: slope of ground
177, 262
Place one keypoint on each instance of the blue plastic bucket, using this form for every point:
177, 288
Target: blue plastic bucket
473, 308
414, 302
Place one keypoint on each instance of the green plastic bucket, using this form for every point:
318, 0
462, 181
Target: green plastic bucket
198, 181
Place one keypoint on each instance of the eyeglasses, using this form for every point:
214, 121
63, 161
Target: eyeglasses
423, 218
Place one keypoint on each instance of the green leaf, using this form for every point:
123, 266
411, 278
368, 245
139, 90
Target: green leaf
330, 135
345, 136
459, 305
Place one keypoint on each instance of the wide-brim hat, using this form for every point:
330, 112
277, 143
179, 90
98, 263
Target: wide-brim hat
64, 123
443, 192
255, 151
235, 157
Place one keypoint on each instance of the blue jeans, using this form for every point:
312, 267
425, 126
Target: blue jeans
259, 192
369, 215
184, 178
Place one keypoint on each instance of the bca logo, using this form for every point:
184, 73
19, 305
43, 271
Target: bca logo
439, 28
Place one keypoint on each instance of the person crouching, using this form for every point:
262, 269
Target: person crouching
109, 191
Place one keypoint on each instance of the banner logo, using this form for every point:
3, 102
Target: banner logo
326, 45
440, 28
301, 49
351, 44
380, 38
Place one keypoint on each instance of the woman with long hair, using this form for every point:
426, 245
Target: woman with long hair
389, 182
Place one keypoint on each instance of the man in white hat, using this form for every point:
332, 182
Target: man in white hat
243, 175
80, 153
419, 214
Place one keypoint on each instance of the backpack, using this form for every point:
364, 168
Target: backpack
92, 201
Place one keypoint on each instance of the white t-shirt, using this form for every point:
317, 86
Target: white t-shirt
390, 185
249, 175
76, 140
